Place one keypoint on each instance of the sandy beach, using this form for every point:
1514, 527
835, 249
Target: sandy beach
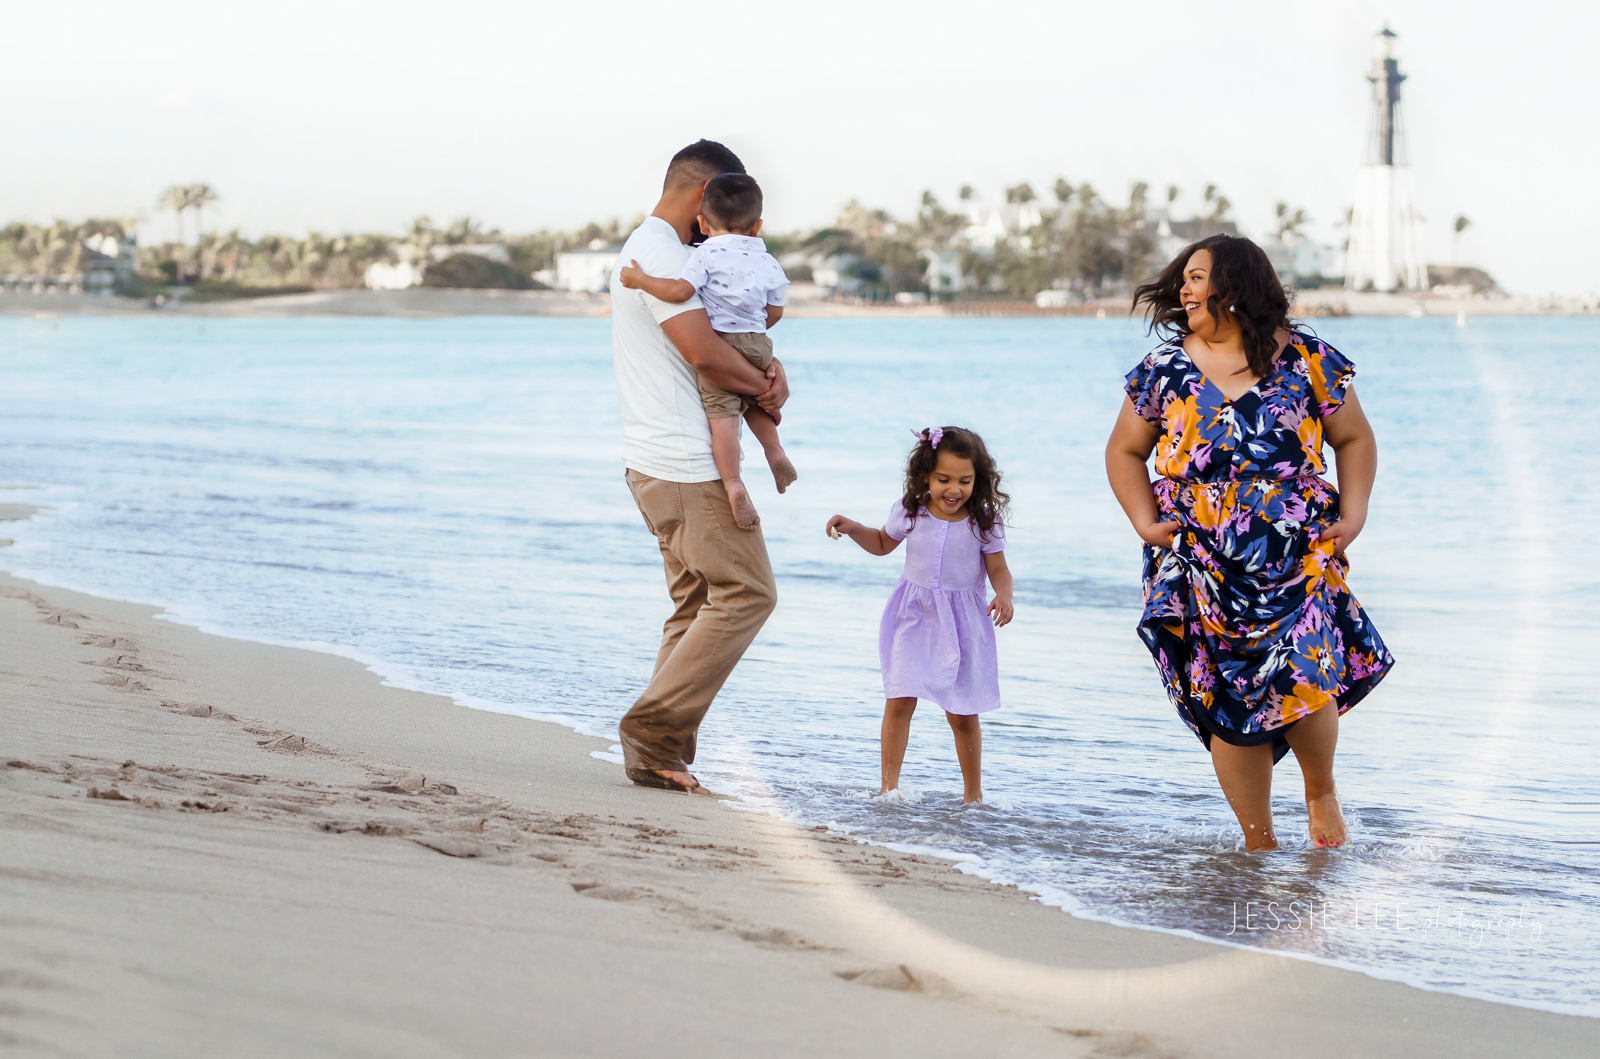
216, 847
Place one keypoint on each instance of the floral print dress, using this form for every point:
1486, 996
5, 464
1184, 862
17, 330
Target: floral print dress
1247, 614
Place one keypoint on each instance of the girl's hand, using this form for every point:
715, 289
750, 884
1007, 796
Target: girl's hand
630, 275
839, 526
1000, 610
1343, 533
1159, 534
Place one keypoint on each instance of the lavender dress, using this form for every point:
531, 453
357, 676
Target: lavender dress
937, 641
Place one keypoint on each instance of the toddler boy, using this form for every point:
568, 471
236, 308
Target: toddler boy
743, 288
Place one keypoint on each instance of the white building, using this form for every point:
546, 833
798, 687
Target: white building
1383, 226
413, 266
834, 272
492, 251
987, 225
381, 276
942, 273
585, 270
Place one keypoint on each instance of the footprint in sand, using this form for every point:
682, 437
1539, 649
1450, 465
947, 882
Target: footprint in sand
455, 845
605, 891
897, 977
111, 643
119, 680
771, 936
124, 662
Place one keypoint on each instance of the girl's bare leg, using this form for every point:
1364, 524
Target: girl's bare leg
1245, 773
1313, 740
765, 428
725, 453
893, 737
969, 751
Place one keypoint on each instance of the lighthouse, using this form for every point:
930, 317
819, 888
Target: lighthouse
1383, 224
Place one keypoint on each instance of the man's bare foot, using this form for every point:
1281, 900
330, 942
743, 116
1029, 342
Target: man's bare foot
1327, 821
783, 471
744, 509
665, 779
684, 779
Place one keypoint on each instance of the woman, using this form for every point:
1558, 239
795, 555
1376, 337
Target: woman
1258, 640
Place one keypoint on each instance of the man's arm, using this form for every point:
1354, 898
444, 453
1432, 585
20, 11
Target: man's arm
708, 354
676, 291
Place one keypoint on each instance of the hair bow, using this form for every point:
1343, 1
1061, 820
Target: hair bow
933, 435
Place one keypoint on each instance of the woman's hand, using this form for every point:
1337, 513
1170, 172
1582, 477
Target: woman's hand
1159, 533
1000, 610
1342, 534
839, 526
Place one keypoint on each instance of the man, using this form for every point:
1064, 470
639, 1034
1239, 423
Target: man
719, 575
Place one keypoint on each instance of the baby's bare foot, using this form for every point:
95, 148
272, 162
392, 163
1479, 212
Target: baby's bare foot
1327, 821
783, 471
744, 509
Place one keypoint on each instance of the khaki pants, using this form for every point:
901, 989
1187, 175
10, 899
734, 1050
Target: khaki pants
756, 347
722, 590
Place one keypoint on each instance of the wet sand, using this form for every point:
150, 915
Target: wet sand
213, 847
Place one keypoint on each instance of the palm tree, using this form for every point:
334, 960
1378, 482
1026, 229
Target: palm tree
198, 196
1219, 206
1463, 222
176, 199
1289, 223
1063, 190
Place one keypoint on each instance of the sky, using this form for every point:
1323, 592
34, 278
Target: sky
343, 117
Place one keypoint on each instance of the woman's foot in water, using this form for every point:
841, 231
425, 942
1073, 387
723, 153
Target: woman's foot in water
1327, 821
1259, 838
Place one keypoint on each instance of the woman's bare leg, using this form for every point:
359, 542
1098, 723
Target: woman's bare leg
1313, 740
1245, 773
896, 732
725, 453
969, 751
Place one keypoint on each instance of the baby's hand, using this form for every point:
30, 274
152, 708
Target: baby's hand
1000, 610
631, 274
838, 526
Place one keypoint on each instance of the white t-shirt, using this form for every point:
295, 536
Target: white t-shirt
737, 279
665, 433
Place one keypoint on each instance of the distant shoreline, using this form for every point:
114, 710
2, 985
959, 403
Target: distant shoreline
427, 302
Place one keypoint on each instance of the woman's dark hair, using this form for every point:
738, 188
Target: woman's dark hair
1243, 283
987, 505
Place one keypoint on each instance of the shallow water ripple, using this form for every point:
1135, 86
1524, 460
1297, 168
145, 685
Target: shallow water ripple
443, 499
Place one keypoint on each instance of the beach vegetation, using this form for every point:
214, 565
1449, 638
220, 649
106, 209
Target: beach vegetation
1072, 239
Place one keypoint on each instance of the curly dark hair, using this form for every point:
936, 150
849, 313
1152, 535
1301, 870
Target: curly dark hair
1243, 284
988, 503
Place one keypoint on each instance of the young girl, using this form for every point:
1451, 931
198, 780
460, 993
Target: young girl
936, 640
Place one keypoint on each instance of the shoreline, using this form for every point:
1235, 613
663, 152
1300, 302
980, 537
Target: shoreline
434, 303
819, 911
1047, 897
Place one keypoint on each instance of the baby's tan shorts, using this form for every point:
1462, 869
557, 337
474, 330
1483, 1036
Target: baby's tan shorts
719, 403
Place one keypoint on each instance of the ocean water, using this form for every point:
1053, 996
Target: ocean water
444, 499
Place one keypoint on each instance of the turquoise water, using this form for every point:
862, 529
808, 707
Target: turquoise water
444, 499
